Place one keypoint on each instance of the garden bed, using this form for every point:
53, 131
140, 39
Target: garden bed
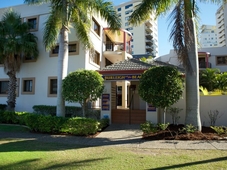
173, 133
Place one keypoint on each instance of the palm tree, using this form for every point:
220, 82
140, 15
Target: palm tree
16, 43
183, 34
65, 13
208, 78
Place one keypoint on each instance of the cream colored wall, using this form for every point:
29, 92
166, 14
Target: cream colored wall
46, 66
207, 104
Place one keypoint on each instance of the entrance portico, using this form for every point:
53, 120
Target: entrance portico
121, 102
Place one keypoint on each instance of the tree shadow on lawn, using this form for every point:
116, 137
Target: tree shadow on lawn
191, 163
10, 142
29, 164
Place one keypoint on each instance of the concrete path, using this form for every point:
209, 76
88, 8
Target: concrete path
119, 136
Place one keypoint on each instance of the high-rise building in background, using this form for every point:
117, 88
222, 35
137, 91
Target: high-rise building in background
145, 36
208, 36
221, 20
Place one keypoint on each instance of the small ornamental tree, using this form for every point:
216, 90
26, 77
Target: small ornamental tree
83, 86
161, 86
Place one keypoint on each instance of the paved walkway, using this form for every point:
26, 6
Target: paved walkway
120, 136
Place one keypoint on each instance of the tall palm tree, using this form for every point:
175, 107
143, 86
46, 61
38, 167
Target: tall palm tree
16, 43
183, 34
65, 13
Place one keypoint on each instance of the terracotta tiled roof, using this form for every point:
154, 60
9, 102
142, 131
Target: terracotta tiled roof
134, 64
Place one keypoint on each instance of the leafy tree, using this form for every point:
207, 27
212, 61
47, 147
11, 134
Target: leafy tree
161, 86
208, 78
184, 35
83, 86
16, 43
75, 13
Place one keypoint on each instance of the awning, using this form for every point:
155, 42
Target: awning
118, 36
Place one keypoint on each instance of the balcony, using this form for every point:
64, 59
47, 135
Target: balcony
148, 23
115, 52
117, 45
148, 29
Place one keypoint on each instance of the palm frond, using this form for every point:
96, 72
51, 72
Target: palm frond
143, 11
82, 25
177, 34
108, 12
52, 29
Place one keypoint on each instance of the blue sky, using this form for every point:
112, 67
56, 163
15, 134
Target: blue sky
207, 15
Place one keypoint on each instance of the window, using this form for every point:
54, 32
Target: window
95, 57
119, 9
73, 49
33, 22
126, 18
52, 87
28, 86
128, 6
96, 26
4, 87
126, 24
28, 59
221, 60
128, 12
130, 28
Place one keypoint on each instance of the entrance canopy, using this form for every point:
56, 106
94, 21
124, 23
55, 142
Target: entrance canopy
130, 69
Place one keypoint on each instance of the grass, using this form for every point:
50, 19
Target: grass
13, 128
33, 154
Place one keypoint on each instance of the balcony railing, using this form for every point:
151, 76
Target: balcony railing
204, 65
119, 47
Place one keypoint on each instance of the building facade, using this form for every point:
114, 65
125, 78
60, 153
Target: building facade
221, 20
145, 36
37, 79
208, 36
208, 58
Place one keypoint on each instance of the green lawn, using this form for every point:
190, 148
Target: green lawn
32, 154
13, 128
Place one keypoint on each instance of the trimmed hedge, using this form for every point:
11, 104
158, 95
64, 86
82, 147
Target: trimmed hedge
52, 124
70, 111
3, 106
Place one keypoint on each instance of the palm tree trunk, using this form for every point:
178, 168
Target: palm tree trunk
62, 69
192, 83
11, 102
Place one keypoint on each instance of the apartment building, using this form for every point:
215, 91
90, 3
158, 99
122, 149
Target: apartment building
37, 79
221, 20
208, 36
145, 36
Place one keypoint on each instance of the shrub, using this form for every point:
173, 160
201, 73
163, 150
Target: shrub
219, 129
163, 126
174, 111
103, 123
189, 128
148, 127
42, 123
11, 117
213, 116
80, 126
70, 111
3, 106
